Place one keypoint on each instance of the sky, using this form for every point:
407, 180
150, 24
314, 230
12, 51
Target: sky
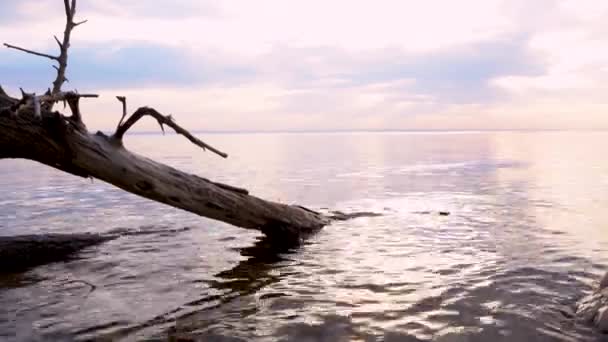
266, 65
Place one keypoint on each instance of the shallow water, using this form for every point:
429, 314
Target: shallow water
525, 238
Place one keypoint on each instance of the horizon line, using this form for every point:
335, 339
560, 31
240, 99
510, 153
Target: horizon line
305, 131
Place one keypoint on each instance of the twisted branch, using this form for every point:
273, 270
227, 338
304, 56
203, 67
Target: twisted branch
162, 120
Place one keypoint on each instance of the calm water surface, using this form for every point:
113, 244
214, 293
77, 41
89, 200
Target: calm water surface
526, 237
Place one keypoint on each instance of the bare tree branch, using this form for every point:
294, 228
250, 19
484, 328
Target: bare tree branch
55, 58
62, 59
49, 99
74, 103
162, 119
64, 95
123, 100
58, 42
70, 12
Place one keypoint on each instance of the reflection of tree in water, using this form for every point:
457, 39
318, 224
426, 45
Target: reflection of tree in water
523, 303
236, 284
256, 272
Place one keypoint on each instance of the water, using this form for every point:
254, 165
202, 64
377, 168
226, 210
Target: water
526, 237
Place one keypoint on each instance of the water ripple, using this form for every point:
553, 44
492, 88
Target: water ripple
523, 240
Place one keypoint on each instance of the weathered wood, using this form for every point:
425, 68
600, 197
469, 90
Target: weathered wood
54, 141
162, 120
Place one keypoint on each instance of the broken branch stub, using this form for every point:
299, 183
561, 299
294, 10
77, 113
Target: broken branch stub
123, 100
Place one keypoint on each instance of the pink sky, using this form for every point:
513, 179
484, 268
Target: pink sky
316, 65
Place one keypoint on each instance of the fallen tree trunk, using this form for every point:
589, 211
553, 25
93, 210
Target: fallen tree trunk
55, 141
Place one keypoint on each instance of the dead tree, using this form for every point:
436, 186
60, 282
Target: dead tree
31, 129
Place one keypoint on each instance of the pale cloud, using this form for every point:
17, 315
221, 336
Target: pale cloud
572, 91
136, 9
271, 64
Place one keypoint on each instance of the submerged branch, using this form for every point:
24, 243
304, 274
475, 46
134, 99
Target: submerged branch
19, 253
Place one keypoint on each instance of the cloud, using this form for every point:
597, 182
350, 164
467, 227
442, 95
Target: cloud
339, 64
7, 10
29, 11
378, 87
124, 65
305, 85
246, 27
174, 9
145, 65
460, 74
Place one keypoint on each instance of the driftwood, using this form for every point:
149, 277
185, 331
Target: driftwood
62, 143
31, 129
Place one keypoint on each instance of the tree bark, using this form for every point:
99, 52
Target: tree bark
53, 140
